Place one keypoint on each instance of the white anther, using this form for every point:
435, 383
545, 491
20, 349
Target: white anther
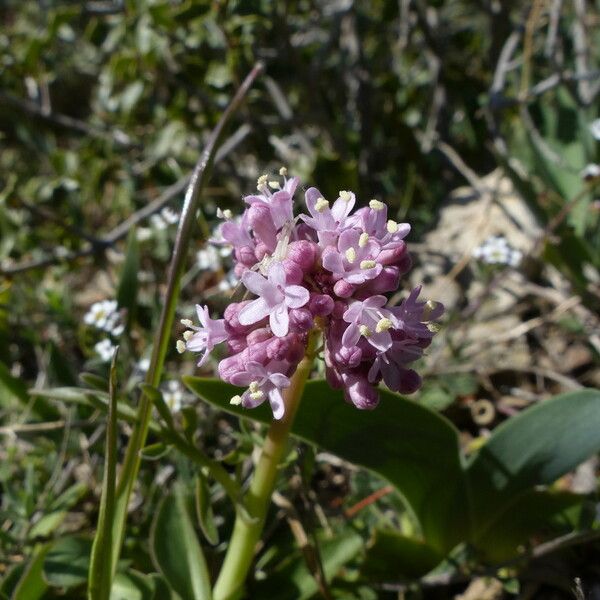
187, 335
274, 185
392, 226
383, 325
345, 195
236, 400
283, 172
257, 395
367, 264
363, 240
180, 346
186, 323
262, 181
321, 204
253, 386
364, 331
350, 255
376, 204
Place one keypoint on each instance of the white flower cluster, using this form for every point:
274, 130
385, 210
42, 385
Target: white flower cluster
496, 250
164, 218
590, 172
105, 350
105, 315
172, 394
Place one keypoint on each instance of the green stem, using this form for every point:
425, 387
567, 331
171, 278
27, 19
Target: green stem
131, 462
247, 532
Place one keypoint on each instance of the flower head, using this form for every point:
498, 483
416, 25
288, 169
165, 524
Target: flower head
203, 338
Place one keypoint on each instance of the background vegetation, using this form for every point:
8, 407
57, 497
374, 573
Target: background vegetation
106, 106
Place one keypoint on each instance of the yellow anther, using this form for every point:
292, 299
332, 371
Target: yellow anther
345, 195
236, 400
367, 264
321, 204
283, 172
261, 181
392, 226
227, 214
187, 335
433, 327
180, 346
383, 325
257, 395
376, 204
350, 255
253, 386
274, 185
363, 240
186, 322
364, 331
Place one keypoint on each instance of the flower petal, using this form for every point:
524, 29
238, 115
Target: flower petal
276, 402
277, 274
351, 335
279, 320
296, 296
332, 261
256, 283
254, 312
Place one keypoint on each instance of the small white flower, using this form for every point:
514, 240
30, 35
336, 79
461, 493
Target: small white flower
595, 129
157, 222
143, 365
105, 350
99, 313
208, 259
173, 396
496, 250
228, 283
591, 171
143, 234
169, 216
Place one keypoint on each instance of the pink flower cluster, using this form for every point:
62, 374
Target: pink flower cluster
328, 269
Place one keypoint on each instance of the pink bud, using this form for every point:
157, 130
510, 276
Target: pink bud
320, 305
387, 281
258, 335
349, 357
303, 253
236, 343
343, 289
261, 221
301, 320
232, 323
229, 366
245, 255
392, 256
360, 392
293, 273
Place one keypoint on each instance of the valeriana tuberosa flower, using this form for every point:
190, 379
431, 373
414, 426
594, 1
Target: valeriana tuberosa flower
275, 298
327, 270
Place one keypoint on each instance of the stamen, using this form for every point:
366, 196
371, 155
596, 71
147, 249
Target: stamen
254, 386
236, 400
262, 181
283, 172
180, 346
376, 205
363, 240
257, 395
345, 195
186, 323
430, 306
364, 331
187, 335
392, 226
350, 255
367, 264
274, 185
321, 204
383, 325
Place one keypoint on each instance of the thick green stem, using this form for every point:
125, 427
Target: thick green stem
246, 533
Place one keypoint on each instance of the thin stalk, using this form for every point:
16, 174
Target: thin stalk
137, 440
247, 532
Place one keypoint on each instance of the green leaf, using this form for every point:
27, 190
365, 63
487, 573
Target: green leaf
411, 446
47, 524
11, 580
393, 555
67, 563
104, 546
534, 448
128, 284
134, 586
204, 512
175, 550
534, 512
32, 585
154, 451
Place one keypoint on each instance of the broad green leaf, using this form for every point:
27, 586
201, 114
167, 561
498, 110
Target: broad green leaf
409, 445
175, 550
104, 546
47, 524
204, 512
534, 512
32, 585
10, 580
534, 448
67, 563
133, 585
128, 284
393, 555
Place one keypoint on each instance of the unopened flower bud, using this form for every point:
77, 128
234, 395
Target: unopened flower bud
343, 289
303, 253
320, 305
